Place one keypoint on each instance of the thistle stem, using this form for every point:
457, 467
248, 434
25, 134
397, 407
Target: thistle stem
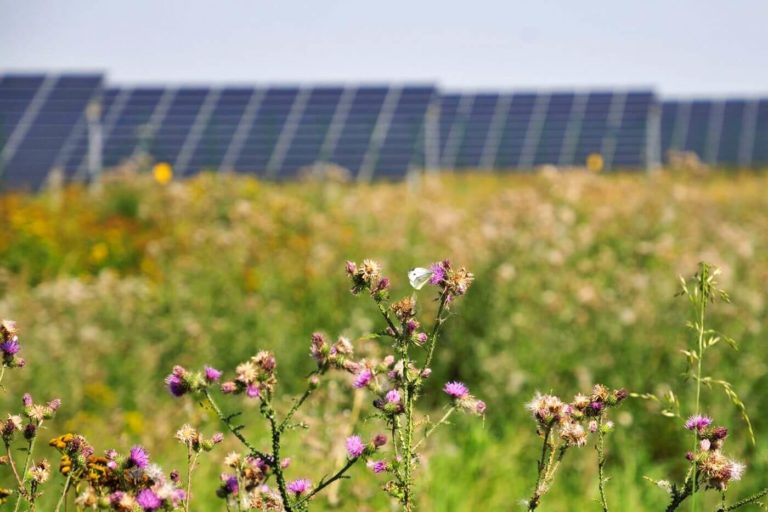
601, 462
325, 483
702, 304
434, 427
30, 449
745, 501
232, 428
63, 497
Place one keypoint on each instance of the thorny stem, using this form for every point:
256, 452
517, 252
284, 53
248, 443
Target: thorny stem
434, 427
385, 314
232, 428
270, 414
702, 303
745, 501
679, 496
325, 483
435, 328
22, 489
536, 497
64, 492
310, 389
601, 462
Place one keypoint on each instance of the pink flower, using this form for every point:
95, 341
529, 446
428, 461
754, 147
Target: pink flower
363, 378
393, 396
377, 466
300, 486
456, 389
355, 447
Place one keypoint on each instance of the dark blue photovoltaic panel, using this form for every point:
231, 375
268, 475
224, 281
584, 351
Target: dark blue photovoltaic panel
552, 136
312, 130
174, 128
594, 127
476, 132
405, 134
266, 130
16, 93
449, 110
63, 107
632, 136
220, 129
730, 134
128, 132
515, 129
698, 127
355, 137
760, 152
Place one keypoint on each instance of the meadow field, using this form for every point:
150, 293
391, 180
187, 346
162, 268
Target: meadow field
576, 276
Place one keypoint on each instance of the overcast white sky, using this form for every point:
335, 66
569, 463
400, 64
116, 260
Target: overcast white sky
680, 47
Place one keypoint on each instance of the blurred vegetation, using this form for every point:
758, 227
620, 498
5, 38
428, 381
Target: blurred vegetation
576, 275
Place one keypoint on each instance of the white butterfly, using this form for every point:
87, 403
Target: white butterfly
419, 277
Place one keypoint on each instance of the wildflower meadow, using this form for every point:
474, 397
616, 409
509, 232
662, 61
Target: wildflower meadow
562, 341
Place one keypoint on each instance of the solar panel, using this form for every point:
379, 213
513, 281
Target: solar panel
53, 106
731, 132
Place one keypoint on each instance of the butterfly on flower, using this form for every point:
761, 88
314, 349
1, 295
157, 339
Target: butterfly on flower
419, 276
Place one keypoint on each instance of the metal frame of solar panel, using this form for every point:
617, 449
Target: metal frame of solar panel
526, 129
731, 132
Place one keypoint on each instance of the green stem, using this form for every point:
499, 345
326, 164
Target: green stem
232, 428
745, 501
191, 462
702, 307
30, 449
545, 446
601, 462
63, 497
270, 414
434, 427
325, 483
298, 403
435, 329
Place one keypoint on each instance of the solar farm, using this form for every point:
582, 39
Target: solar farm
78, 124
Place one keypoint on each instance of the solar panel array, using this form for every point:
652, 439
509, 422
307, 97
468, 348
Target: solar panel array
727, 132
524, 130
53, 121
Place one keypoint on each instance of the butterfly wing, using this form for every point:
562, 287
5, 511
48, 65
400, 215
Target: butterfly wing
418, 277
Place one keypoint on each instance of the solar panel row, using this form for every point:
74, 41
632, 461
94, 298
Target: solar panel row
48, 121
729, 132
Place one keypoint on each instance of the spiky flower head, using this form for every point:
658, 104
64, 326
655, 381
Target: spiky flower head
299, 486
355, 447
138, 457
377, 466
456, 389
212, 374
698, 422
148, 500
363, 378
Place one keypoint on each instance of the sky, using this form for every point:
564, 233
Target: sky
678, 47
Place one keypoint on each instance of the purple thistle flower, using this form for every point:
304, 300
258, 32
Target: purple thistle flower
355, 447
54, 404
228, 387
379, 440
253, 391
421, 338
26, 400
148, 500
212, 374
377, 466
176, 385
363, 378
217, 438
456, 389
299, 486
138, 457
231, 484
393, 396
596, 406
698, 422
11, 346
438, 273
480, 407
